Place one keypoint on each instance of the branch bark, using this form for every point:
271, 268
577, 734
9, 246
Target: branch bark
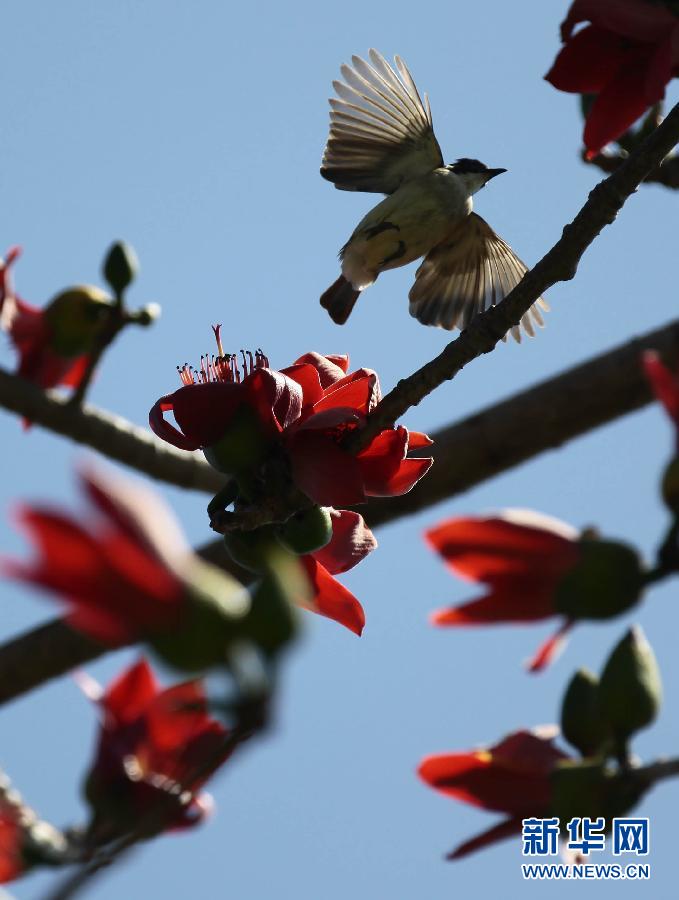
111, 435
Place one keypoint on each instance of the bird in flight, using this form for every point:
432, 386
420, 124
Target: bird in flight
382, 140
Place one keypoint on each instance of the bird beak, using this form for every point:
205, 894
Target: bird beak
493, 172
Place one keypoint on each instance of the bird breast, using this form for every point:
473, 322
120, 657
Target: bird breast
405, 225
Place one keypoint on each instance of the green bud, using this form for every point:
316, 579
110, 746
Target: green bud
630, 691
607, 580
307, 530
590, 789
120, 266
216, 606
76, 317
581, 722
251, 549
243, 448
669, 487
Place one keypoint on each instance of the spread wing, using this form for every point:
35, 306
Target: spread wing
468, 273
381, 132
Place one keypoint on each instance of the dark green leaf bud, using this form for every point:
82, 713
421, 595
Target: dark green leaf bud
607, 580
630, 691
581, 722
120, 266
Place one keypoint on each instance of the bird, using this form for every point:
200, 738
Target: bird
382, 140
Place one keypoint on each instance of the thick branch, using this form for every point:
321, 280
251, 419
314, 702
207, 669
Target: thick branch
468, 452
559, 264
111, 435
667, 174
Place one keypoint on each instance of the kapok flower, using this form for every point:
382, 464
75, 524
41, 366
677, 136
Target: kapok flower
535, 567
626, 56
351, 542
513, 777
54, 343
124, 569
304, 410
155, 750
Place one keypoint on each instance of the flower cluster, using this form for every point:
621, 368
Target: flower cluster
625, 56
251, 421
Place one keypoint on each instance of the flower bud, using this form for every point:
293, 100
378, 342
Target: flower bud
607, 580
76, 318
307, 530
242, 448
120, 266
251, 549
669, 486
581, 722
630, 691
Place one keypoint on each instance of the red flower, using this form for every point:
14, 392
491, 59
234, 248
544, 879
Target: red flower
513, 777
351, 542
155, 747
330, 475
308, 407
12, 841
53, 343
626, 56
521, 557
122, 569
664, 384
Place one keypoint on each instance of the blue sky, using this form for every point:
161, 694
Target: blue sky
195, 132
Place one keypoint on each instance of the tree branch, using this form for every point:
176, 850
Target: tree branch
111, 435
491, 441
559, 264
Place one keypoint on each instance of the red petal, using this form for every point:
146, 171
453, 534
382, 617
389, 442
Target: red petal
325, 472
329, 368
76, 372
277, 400
501, 831
619, 105
359, 392
332, 599
101, 625
549, 650
351, 542
664, 384
634, 19
205, 411
589, 61
482, 549
477, 779
385, 471
178, 715
417, 439
531, 750
517, 601
163, 429
307, 377
127, 698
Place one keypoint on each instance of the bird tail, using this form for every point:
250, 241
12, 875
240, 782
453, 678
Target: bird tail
339, 300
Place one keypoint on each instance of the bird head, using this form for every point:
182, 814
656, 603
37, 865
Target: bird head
473, 173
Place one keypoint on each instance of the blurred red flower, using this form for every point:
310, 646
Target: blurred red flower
521, 556
156, 748
512, 777
122, 569
53, 343
626, 56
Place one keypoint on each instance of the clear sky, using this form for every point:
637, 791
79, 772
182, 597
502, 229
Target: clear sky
195, 132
